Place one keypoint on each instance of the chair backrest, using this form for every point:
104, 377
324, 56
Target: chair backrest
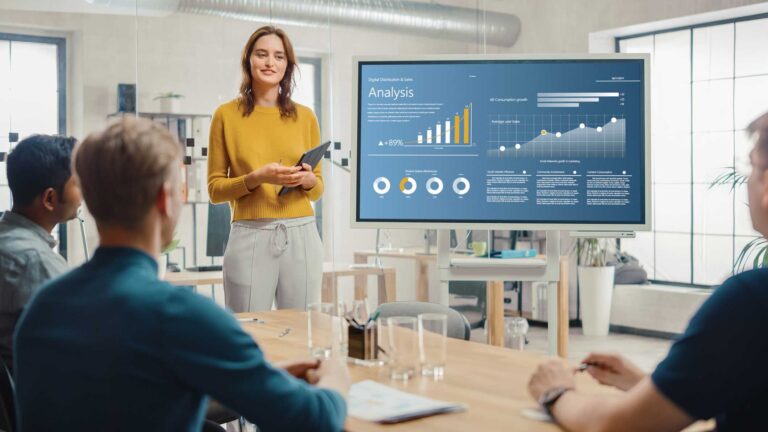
7, 399
219, 218
458, 326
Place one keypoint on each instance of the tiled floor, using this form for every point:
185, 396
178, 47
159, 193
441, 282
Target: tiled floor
646, 352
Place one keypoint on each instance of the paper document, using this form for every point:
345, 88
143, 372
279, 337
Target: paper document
371, 401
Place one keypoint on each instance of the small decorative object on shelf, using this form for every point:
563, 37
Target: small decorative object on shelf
126, 97
170, 102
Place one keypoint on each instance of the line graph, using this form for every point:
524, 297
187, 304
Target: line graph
527, 136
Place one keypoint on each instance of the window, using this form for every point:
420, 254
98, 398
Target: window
32, 98
708, 82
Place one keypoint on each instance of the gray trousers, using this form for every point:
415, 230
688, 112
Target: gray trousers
268, 260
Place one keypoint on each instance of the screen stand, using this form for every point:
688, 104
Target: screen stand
495, 271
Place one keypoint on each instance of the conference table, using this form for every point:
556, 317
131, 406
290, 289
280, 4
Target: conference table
491, 381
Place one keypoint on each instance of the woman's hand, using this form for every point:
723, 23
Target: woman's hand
308, 180
274, 173
613, 370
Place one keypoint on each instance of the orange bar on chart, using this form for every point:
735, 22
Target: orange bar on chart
456, 128
466, 125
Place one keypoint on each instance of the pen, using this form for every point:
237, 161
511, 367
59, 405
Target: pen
251, 319
582, 367
353, 324
372, 318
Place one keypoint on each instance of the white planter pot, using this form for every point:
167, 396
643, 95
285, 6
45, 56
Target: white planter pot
170, 105
162, 265
595, 296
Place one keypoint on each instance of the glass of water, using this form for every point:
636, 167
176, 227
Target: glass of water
323, 329
404, 347
433, 335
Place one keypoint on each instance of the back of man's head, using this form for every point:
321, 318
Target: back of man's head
37, 163
758, 129
122, 168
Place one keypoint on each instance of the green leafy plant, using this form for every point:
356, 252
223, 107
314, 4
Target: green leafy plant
171, 246
730, 177
592, 252
168, 95
756, 251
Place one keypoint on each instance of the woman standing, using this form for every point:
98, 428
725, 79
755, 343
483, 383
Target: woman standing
274, 251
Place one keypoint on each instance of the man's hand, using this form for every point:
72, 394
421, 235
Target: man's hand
301, 368
332, 374
550, 375
613, 370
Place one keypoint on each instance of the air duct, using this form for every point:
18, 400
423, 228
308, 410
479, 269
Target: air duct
424, 19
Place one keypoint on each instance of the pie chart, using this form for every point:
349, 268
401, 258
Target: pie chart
408, 185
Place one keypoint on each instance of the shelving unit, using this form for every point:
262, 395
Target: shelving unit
188, 129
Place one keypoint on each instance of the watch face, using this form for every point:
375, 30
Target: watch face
551, 395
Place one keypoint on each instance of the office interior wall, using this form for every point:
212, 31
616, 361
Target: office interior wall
197, 56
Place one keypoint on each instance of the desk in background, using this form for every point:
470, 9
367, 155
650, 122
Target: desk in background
495, 294
386, 280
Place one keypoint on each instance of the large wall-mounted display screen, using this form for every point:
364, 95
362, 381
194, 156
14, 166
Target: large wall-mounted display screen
518, 141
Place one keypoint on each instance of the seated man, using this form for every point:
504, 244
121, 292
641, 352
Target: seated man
108, 346
716, 369
44, 194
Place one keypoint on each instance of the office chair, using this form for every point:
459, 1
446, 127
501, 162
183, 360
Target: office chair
458, 326
7, 399
475, 313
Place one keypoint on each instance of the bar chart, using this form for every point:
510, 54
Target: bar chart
572, 100
456, 131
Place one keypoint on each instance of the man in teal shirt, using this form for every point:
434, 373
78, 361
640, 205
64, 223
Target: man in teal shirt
110, 347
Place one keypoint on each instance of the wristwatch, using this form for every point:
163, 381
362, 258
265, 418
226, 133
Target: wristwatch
549, 397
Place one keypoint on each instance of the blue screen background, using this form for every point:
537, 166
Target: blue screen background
500, 91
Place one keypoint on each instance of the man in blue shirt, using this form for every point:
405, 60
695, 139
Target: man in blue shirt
45, 194
715, 370
110, 347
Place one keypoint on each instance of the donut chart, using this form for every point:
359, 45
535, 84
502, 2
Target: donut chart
381, 185
434, 185
407, 185
461, 186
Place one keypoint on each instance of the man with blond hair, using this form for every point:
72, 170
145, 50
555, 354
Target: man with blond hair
111, 347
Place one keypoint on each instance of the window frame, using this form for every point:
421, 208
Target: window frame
61, 76
690, 28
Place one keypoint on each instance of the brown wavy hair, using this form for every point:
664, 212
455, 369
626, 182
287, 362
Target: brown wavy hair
246, 100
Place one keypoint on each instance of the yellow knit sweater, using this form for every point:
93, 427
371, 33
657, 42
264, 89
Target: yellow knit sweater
239, 145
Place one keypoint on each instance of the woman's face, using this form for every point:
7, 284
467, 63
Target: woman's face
268, 60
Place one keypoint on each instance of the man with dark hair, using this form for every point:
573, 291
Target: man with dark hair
44, 195
715, 370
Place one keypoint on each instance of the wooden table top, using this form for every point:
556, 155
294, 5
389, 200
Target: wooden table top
491, 381
195, 278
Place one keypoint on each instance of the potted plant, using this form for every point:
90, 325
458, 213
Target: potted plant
170, 102
756, 250
595, 286
162, 262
